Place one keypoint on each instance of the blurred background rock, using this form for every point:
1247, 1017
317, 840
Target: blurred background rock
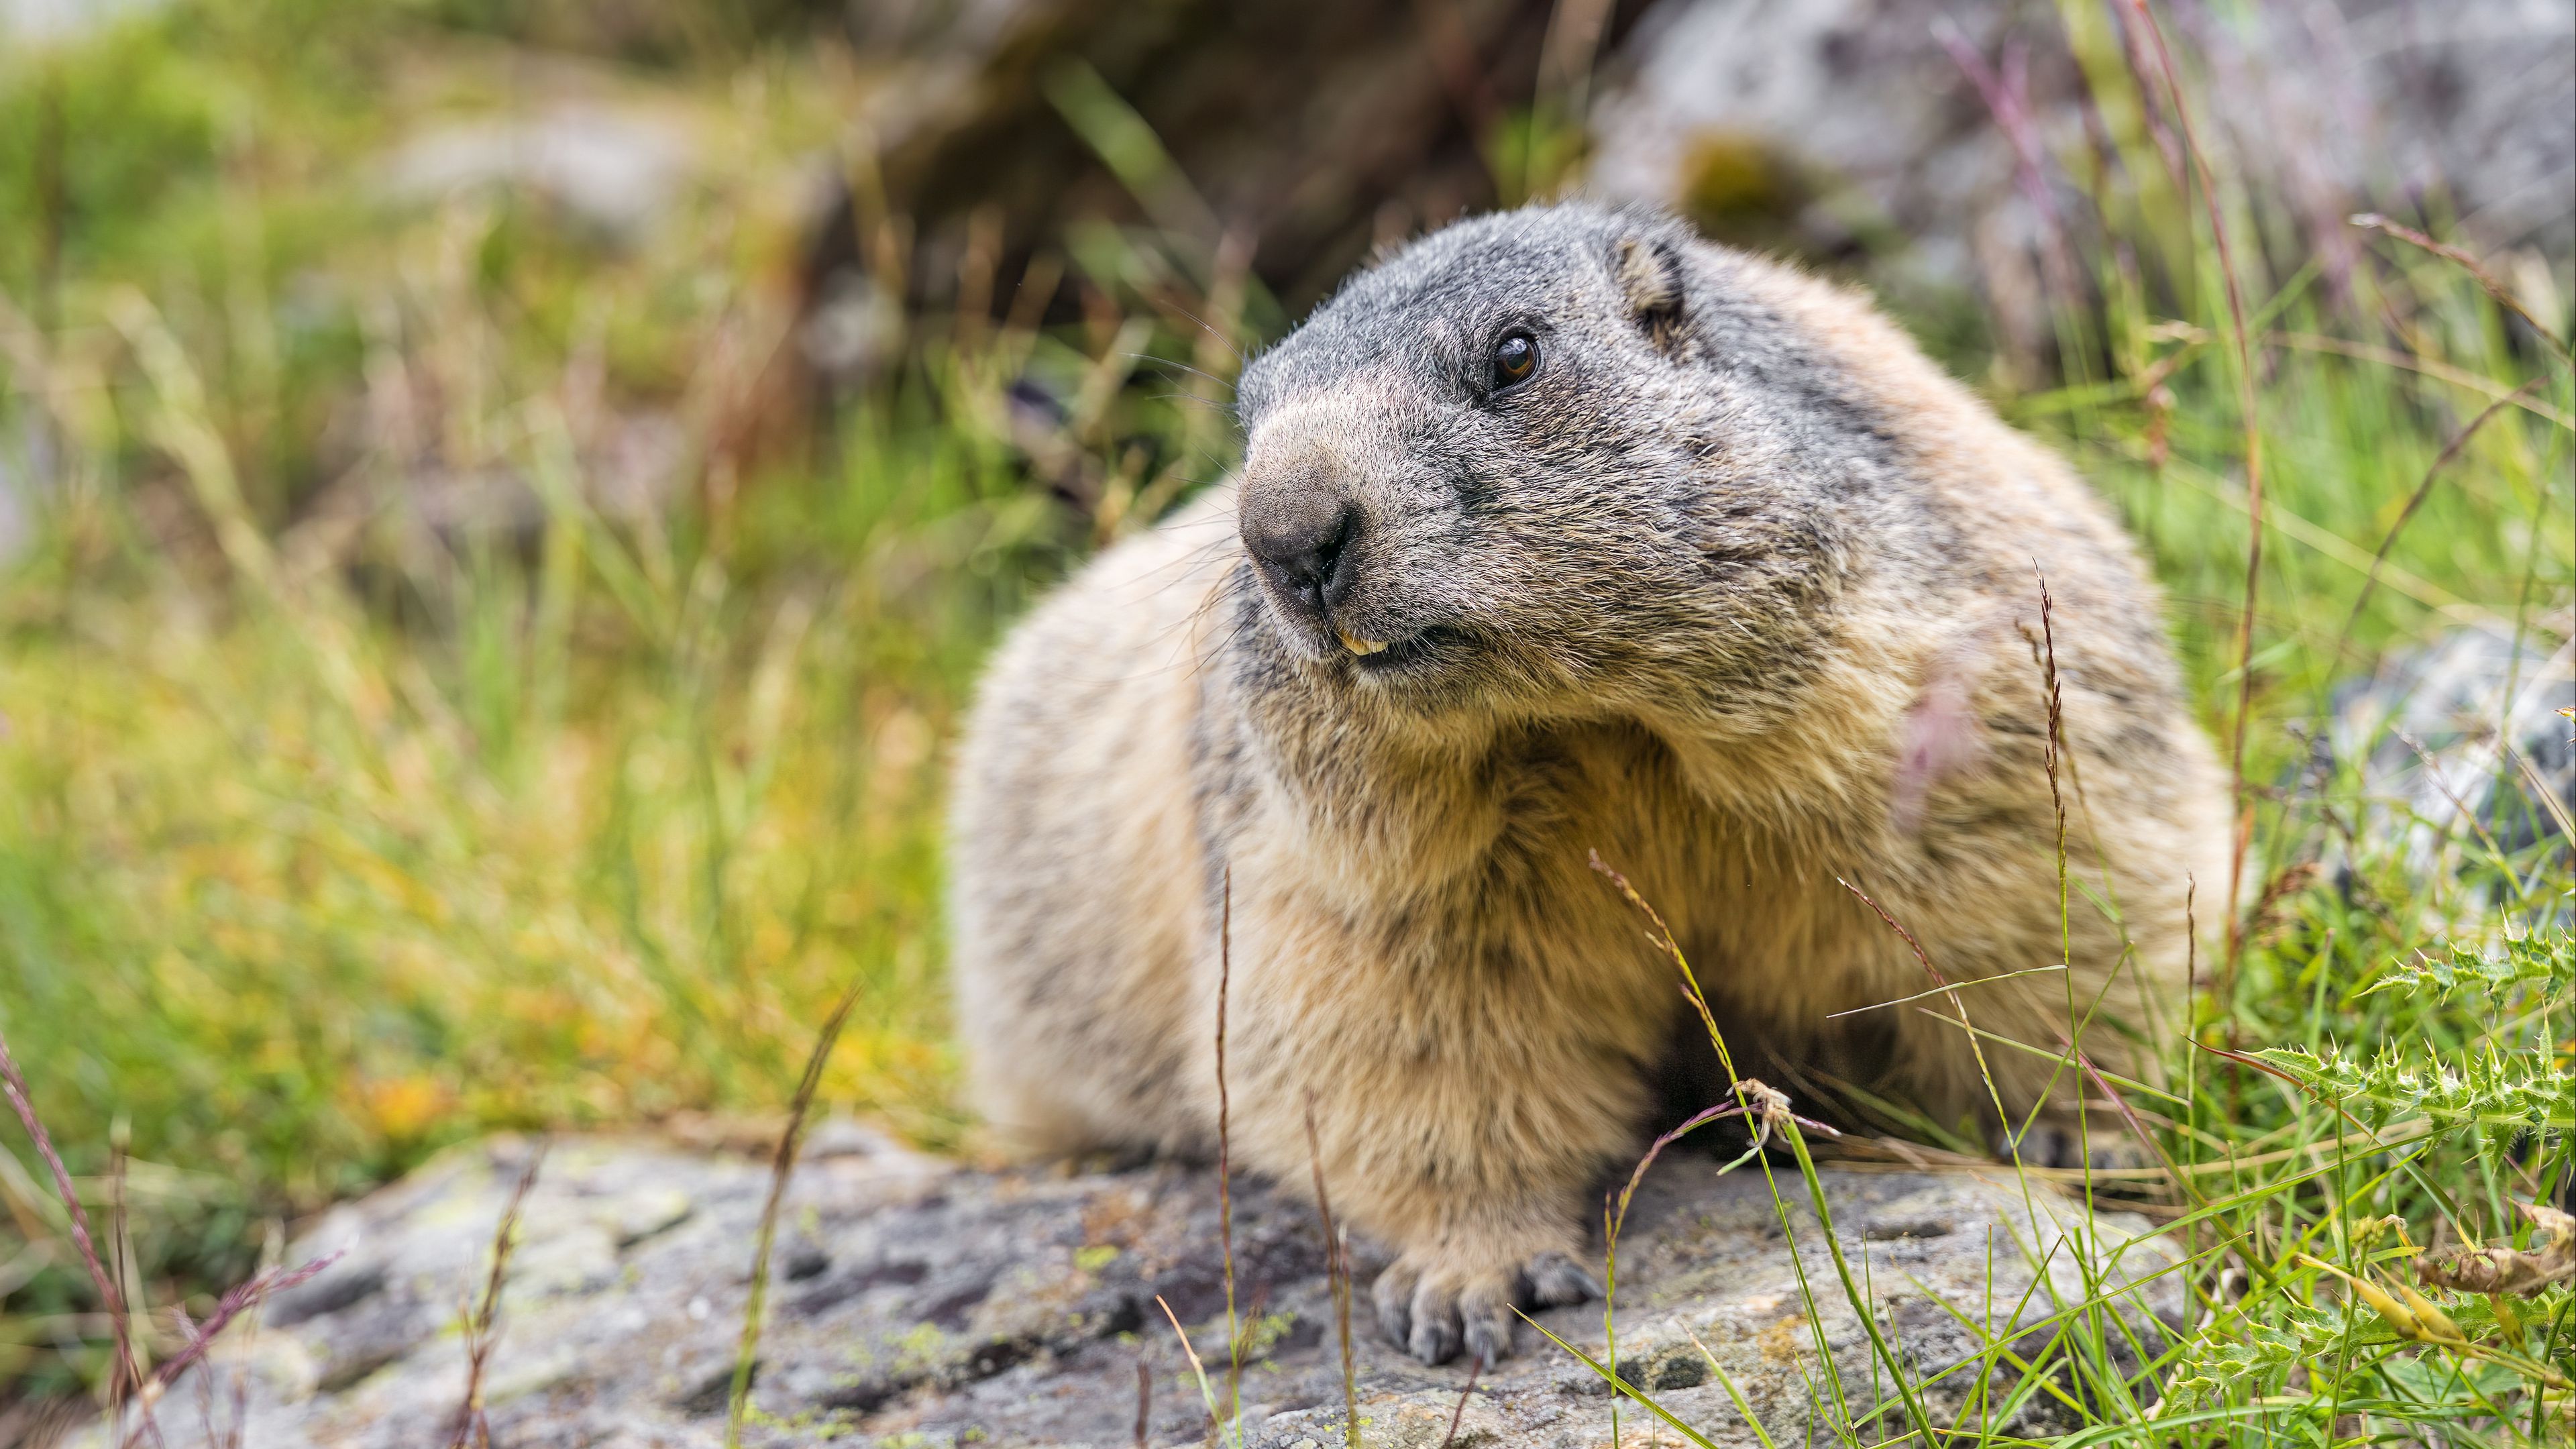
1929, 146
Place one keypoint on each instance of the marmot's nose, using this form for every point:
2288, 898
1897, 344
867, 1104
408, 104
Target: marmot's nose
1302, 537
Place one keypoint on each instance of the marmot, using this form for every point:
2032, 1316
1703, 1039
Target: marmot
1562, 531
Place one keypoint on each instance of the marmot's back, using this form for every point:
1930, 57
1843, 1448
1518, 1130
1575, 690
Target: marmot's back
1074, 873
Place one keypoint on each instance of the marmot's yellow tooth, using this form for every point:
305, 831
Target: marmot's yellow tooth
1357, 645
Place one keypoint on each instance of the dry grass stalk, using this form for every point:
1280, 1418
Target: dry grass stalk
1475, 1371
2146, 1140
240, 1299
1662, 939
1198, 1369
2053, 746
782, 1166
1337, 1278
473, 1430
1757, 1102
1225, 1152
128, 1382
2006, 93
120, 1261
2415, 500
1225, 1197
1752, 1099
13, 1082
2467, 261
2053, 754
2252, 419
1976, 1044
135, 1387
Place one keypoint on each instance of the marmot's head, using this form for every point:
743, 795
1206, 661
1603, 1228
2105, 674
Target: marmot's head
1558, 460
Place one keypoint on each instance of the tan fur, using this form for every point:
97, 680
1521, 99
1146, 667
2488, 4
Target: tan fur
1420, 953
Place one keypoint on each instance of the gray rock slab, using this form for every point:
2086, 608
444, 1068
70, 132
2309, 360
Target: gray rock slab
919, 1303
2460, 743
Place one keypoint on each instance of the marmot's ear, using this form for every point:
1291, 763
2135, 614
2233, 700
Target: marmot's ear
1650, 272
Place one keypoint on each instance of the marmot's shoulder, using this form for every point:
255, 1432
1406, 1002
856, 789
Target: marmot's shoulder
1137, 617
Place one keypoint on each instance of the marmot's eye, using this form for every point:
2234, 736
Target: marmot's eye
1515, 359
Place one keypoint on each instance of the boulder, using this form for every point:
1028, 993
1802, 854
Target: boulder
917, 1302
2466, 747
1834, 119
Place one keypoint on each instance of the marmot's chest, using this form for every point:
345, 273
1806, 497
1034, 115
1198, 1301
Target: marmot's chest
1522, 820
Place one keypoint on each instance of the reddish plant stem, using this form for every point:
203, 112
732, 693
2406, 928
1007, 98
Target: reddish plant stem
2244, 833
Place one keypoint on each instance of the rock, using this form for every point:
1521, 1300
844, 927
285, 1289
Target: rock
1854, 129
616, 170
1937, 146
921, 1303
2425, 730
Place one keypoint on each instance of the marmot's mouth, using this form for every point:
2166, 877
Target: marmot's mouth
1397, 655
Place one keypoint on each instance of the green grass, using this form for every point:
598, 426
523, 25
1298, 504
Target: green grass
328, 845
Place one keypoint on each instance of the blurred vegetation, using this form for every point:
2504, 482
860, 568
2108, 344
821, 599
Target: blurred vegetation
379, 771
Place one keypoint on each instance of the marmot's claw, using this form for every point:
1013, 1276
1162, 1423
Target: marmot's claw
1555, 1279
1489, 1327
1394, 1297
1435, 1329
1434, 1309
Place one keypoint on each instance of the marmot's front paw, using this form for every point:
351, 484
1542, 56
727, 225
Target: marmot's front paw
1433, 1303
